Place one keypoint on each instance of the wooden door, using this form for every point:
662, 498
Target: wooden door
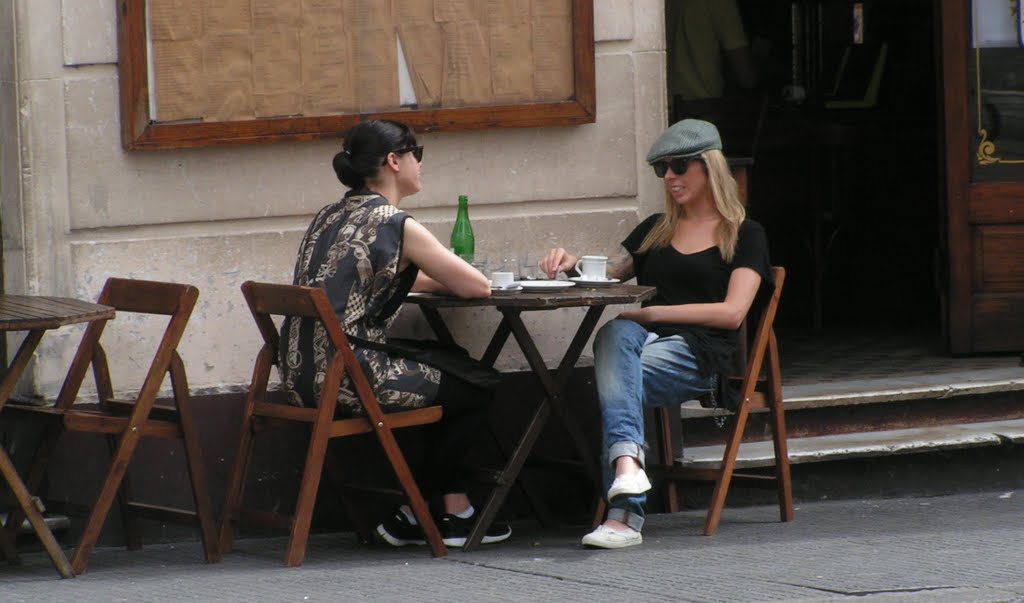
983, 93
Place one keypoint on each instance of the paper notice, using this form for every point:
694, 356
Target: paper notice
362, 15
446, 11
175, 19
228, 15
553, 59
323, 12
512, 62
326, 71
276, 62
423, 44
229, 101
180, 89
228, 58
272, 14
551, 8
506, 12
467, 66
376, 69
278, 105
413, 11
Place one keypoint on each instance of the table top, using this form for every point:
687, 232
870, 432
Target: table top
542, 300
28, 312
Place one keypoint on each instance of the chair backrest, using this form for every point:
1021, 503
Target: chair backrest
267, 300
763, 343
133, 296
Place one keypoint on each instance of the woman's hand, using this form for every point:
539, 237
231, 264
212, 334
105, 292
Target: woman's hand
557, 260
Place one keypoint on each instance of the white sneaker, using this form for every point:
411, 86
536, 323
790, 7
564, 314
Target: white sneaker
604, 537
629, 484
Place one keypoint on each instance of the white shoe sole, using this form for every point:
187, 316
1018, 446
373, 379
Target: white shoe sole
630, 486
388, 538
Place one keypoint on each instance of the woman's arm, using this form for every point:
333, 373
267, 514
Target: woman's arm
728, 314
442, 270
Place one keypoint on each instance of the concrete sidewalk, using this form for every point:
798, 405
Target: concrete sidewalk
952, 548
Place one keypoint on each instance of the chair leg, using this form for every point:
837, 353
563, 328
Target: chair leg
7, 550
194, 459
599, 511
412, 491
98, 515
725, 472
778, 416
132, 532
662, 418
311, 473
236, 485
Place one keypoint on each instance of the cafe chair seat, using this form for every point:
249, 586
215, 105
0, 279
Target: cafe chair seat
126, 422
263, 412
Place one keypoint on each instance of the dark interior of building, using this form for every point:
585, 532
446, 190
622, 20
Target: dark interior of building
846, 180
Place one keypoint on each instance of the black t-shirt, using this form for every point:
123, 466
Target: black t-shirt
698, 278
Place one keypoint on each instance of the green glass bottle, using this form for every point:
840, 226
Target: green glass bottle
463, 243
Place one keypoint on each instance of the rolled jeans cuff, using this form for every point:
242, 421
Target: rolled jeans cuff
627, 517
631, 449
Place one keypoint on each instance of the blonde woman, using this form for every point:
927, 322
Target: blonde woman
708, 262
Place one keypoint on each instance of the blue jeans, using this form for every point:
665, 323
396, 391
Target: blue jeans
631, 376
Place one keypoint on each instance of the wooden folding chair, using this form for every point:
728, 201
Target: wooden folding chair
126, 422
755, 394
265, 301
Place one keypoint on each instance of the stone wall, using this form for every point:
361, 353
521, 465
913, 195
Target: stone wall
77, 208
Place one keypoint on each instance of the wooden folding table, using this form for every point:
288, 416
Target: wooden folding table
36, 315
511, 307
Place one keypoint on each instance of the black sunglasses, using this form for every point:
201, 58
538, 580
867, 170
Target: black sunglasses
416, 151
679, 165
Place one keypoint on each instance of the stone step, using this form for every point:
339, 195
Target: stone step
861, 445
920, 387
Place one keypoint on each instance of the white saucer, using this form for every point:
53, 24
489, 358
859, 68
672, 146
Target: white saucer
506, 290
586, 282
545, 285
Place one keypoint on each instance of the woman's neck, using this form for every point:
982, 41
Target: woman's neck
703, 210
387, 190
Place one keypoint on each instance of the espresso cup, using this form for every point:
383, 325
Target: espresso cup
593, 267
502, 279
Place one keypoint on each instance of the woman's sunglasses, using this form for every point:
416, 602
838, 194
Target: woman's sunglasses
679, 165
416, 151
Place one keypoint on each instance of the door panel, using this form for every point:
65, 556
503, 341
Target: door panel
983, 93
998, 258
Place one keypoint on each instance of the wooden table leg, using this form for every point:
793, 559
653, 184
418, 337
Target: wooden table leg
437, 324
28, 504
552, 401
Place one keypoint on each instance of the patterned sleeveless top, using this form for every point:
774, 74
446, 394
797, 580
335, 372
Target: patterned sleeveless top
352, 250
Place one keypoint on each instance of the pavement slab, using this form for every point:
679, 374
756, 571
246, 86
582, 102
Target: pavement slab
966, 547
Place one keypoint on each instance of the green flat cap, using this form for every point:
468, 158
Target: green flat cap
685, 138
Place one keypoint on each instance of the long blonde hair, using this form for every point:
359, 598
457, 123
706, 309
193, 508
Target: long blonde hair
726, 197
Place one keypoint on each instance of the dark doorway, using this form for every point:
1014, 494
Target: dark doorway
846, 180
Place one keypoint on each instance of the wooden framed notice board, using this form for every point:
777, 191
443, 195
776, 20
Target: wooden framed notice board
210, 72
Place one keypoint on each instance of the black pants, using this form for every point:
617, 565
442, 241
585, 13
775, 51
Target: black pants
449, 441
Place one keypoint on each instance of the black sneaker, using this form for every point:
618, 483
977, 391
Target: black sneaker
455, 530
397, 531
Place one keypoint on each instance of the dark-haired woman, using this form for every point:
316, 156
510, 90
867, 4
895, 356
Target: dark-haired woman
368, 255
707, 261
